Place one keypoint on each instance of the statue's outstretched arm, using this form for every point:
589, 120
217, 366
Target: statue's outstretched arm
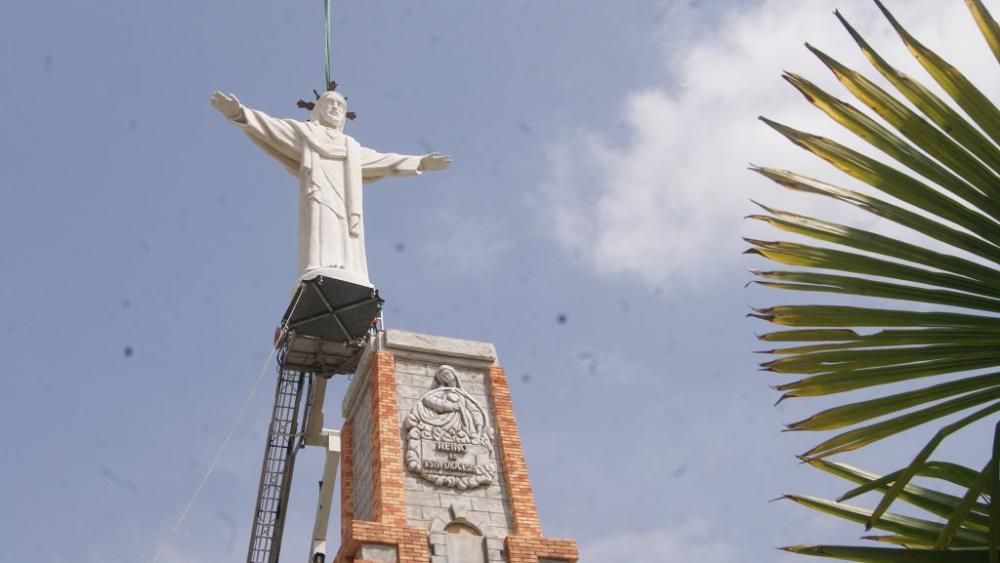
278, 137
376, 164
379, 165
228, 105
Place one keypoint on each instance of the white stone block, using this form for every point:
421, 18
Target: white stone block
430, 513
487, 505
404, 341
458, 503
414, 512
498, 520
377, 552
422, 498
438, 537
410, 392
475, 389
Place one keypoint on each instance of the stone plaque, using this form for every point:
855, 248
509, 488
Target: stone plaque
447, 436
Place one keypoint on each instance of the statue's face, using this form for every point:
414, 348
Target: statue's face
331, 110
448, 378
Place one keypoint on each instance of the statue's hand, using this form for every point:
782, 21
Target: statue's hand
227, 104
354, 225
434, 161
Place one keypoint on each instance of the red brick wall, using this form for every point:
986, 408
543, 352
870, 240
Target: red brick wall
346, 481
387, 459
389, 526
525, 544
522, 499
522, 549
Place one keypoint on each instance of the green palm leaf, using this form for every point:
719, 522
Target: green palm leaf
987, 25
938, 177
965, 530
917, 531
888, 555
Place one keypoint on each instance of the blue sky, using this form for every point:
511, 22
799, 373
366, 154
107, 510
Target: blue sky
147, 250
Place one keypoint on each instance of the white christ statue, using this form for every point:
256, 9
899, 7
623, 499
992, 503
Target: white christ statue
331, 168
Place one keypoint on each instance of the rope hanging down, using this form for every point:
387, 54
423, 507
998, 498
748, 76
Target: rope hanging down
215, 461
326, 53
222, 449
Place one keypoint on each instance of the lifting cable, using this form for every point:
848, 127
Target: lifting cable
225, 442
327, 52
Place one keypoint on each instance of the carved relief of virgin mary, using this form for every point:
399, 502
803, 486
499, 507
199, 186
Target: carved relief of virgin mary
448, 439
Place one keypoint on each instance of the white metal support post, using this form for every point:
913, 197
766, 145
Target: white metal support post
326, 488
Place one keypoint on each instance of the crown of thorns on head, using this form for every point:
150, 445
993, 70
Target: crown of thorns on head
331, 88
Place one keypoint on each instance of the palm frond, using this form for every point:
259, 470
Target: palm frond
937, 176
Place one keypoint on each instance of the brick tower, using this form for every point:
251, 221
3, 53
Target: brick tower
432, 465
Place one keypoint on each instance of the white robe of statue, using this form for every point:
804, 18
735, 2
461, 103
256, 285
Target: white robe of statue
331, 167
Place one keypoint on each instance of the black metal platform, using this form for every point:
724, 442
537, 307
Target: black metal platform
326, 326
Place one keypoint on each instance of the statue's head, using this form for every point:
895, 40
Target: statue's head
330, 110
447, 377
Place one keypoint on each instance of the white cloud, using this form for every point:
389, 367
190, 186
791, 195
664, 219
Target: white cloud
667, 206
695, 540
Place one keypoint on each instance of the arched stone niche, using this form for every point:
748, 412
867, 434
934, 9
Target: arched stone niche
460, 539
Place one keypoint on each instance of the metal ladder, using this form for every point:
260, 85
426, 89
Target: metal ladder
276, 471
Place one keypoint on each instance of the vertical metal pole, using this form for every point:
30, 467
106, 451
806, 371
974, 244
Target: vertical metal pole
326, 488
